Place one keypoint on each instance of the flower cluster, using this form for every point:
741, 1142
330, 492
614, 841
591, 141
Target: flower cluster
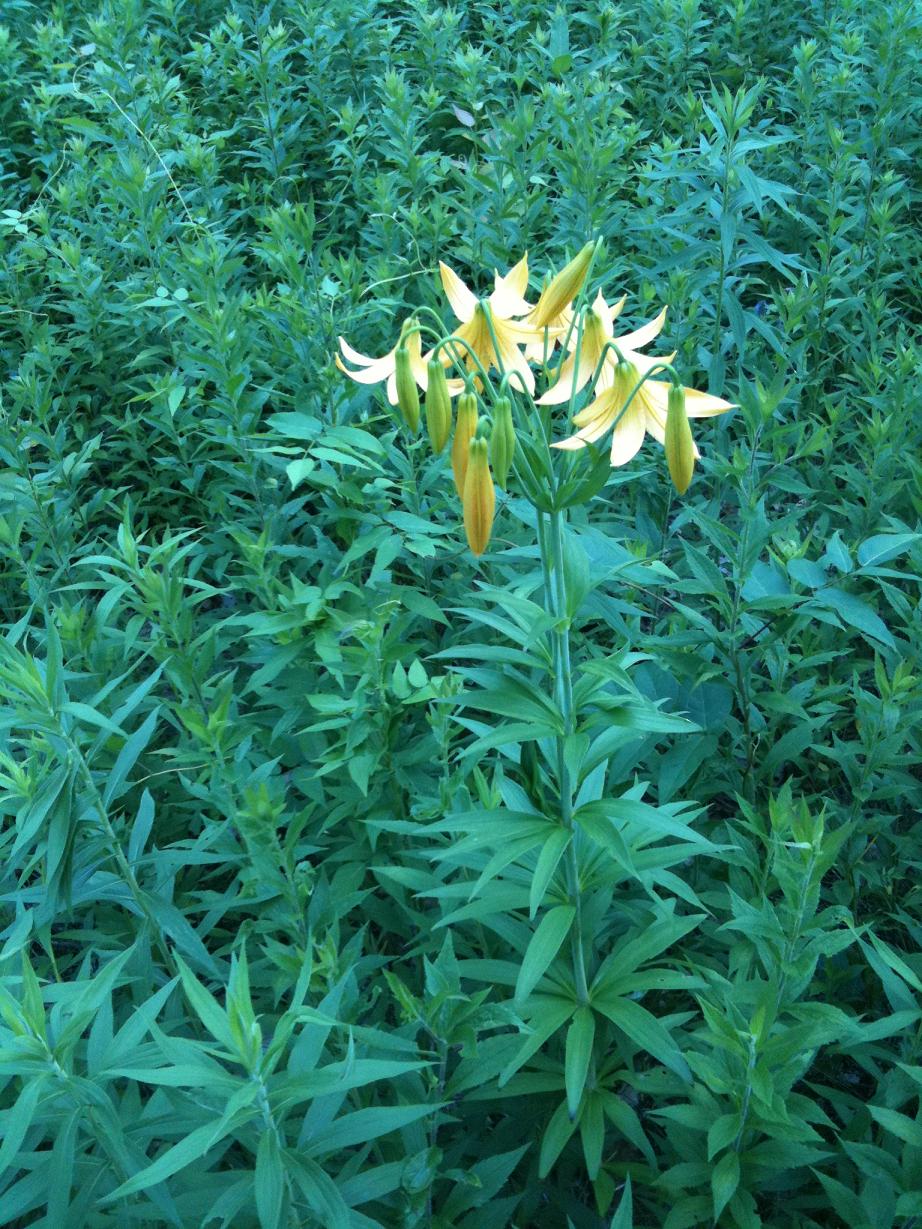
506, 333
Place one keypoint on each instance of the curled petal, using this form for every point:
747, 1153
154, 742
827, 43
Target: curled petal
382, 368
644, 335
594, 421
463, 301
360, 360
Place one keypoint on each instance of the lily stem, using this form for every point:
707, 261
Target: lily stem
552, 563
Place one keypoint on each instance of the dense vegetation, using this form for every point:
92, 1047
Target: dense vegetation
285, 884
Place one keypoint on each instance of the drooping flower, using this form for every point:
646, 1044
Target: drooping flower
505, 303
646, 412
479, 498
438, 406
679, 445
561, 290
374, 370
597, 331
502, 440
465, 429
407, 391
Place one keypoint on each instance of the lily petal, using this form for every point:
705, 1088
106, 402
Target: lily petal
360, 360
383, 367
605, 410
704, 405
508, 298
512, 359
644, 335
627, 437
656, 425
561, 391
608, 314
697, 404
463, 301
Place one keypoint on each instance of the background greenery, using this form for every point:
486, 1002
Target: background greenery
263, 913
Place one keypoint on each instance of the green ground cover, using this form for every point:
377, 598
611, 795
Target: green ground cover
325, 899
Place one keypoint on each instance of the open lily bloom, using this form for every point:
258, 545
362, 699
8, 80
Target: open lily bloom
506, 302
645, 413
374, 370
598, 331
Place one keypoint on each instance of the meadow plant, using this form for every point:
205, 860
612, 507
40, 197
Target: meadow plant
425, 802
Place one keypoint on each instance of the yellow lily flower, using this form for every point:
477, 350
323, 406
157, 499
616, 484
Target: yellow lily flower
374, 370
551, 315
598, 331
506, 302
562, 289
646, 412
479, 500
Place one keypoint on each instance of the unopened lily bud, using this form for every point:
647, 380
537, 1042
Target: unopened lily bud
438, 406
563, 288
502, 440
465, 428
680, 447
407, 392
479, 499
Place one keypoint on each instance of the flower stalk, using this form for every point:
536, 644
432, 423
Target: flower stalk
563, 685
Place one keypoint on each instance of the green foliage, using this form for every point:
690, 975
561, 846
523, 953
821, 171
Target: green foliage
293, 920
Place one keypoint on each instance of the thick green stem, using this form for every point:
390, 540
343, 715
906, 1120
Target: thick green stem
552, 562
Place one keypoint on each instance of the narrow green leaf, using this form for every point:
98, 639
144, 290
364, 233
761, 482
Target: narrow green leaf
548, 859
903, 1127
269, 1181
18, 1118
84, 712
319, 1190
363, 1125
645, 1031
883, 547
544, 1026
190, 1149
578, 1052
724, 1181
206, 1007
542, 948
128, 757
556, 1134
624, 1217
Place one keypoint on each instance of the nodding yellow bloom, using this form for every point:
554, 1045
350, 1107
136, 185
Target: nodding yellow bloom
646, 412
374, 370
506, 302
438, 406
465, 428
407, 392
680, 447
561, 290
598, 330
502, 440
479, 498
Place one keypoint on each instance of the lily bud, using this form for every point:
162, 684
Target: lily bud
502, 440
680, 447
479, 498
465, 428
438, 406
563, 288
407, 392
